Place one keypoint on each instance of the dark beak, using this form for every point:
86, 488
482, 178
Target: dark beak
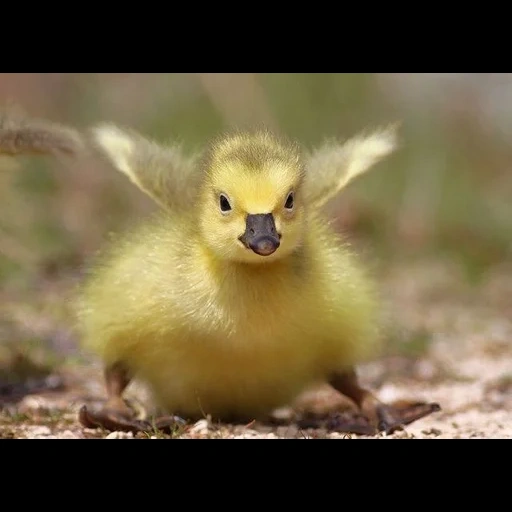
260, 234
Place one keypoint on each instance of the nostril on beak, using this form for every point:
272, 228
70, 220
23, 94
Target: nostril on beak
261, 234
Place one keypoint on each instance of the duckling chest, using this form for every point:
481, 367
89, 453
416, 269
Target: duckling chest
255, 308
261, 323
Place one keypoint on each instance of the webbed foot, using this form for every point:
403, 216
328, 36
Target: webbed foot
380, 417
110, 416
383, 418
124, 420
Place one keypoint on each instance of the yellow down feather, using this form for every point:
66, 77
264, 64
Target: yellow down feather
211, 326
164, 173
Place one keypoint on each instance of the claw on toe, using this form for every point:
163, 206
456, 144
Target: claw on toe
393, 417
167, 424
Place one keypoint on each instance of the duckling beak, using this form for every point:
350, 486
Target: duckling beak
260, 234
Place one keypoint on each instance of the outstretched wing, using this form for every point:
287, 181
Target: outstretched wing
165, 173
333, 165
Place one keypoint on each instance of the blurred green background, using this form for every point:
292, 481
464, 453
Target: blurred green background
445, 194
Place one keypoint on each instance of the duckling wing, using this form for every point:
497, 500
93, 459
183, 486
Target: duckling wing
333, 165
165, 173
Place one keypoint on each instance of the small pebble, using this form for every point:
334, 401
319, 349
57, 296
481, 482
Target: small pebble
120, 435
432, 432
30, 403
200, 427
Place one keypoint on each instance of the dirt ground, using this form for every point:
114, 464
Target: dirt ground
455, 349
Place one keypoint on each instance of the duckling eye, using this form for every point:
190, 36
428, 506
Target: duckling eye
289, 201
225, 206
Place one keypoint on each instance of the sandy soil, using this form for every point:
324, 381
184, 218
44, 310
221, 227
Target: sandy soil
456, 350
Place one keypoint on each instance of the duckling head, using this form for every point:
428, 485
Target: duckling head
252, 203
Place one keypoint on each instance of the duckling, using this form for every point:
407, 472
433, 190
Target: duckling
237, 295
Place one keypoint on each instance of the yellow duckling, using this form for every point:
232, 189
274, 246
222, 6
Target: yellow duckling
238, 295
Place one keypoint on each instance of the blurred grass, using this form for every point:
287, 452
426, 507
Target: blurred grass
444, 194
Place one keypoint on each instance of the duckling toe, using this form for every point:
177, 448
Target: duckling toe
393, 417
168, 424
112, 419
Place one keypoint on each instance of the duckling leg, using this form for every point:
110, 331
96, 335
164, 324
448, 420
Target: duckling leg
116, 413
383, 417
